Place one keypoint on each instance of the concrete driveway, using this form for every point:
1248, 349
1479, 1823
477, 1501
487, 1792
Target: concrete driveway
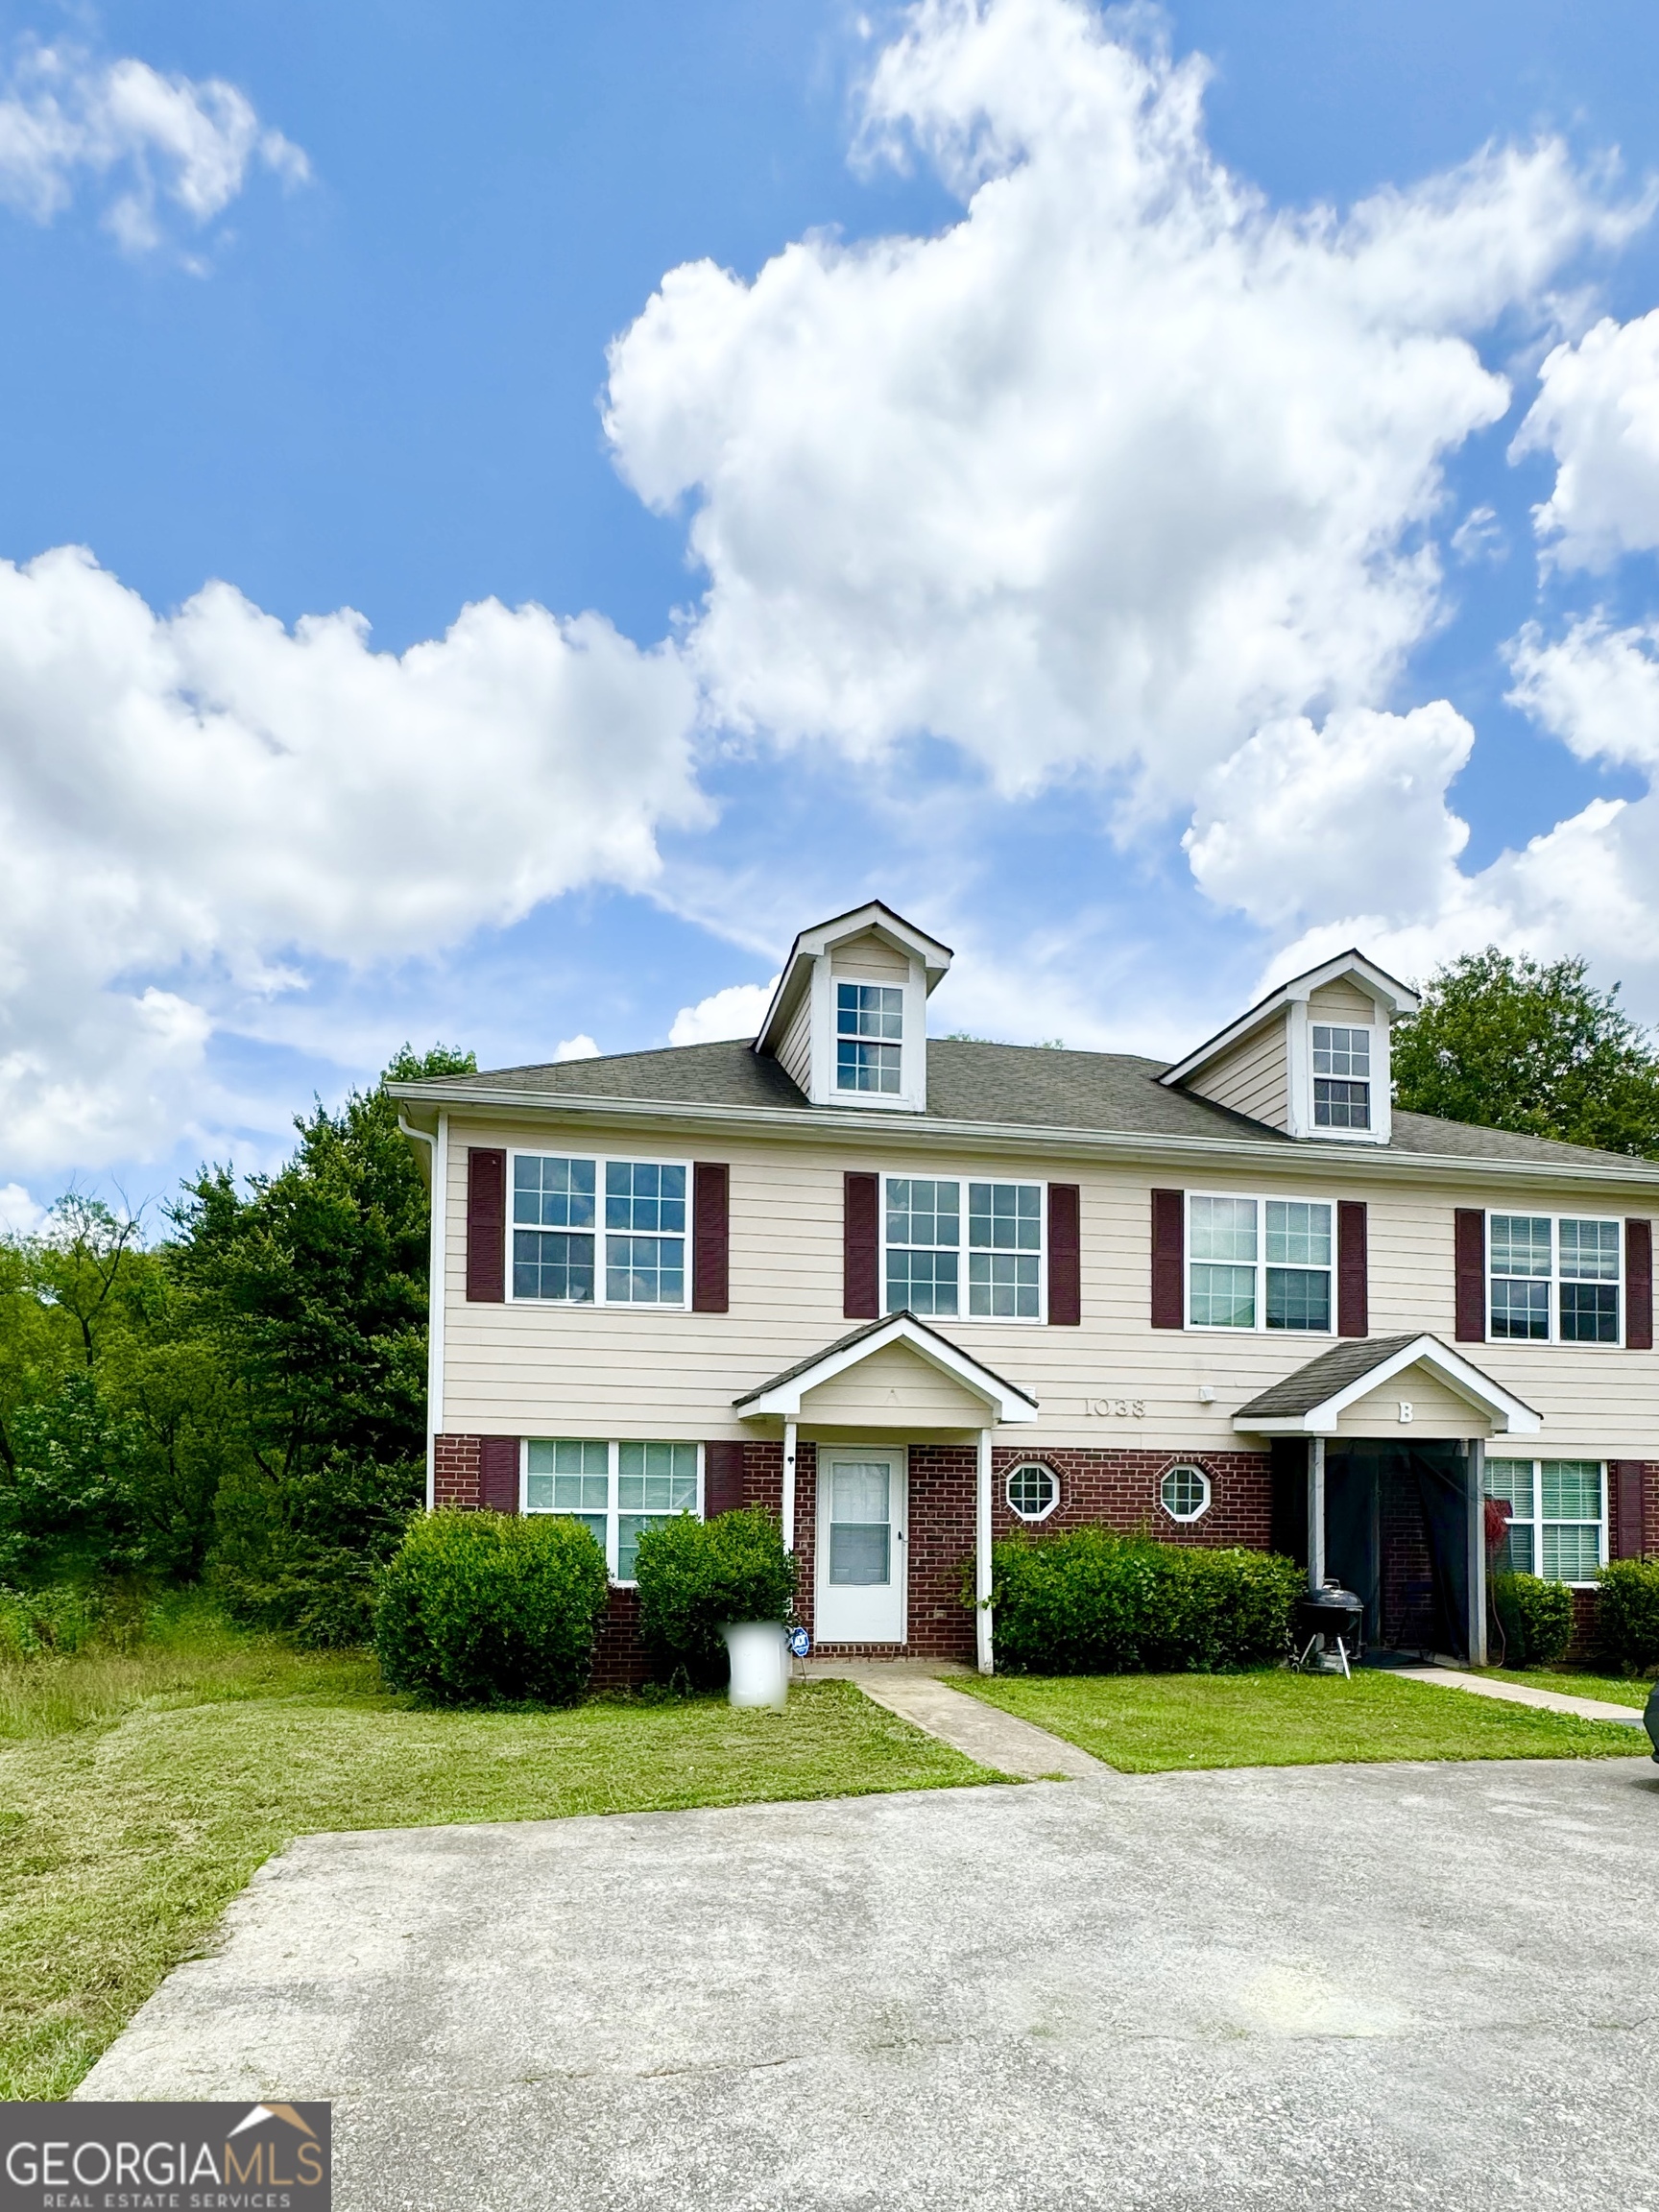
1384, 1987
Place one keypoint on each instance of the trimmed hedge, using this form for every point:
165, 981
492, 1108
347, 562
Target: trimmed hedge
1627, 1616
1535, 1616
491, 1609
696, 1575
1092, 1601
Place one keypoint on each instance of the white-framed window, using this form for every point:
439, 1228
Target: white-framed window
1557, 1516
961, 1248
1341, 1076
1032, 1490
869, 1037
591, 1230
1184, 1492
614, 1490
1261, 1263
1554, 1278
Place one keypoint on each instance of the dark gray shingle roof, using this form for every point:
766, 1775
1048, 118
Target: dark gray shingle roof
858, 1337
1306, 1387
1020, 1086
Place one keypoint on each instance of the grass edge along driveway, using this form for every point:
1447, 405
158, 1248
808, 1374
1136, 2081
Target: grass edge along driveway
1149, 1723
122, 1842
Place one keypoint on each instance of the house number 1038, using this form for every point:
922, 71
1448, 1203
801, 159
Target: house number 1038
1115, 1409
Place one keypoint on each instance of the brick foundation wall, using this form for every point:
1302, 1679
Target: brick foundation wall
1120, 1488
455, 1470
619, 1657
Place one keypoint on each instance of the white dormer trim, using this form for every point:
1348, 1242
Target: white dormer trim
1389, 998
809, 976
783, 1395
1509, 1415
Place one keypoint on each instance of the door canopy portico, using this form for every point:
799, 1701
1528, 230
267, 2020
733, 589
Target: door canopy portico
1312, 1400
973, 1395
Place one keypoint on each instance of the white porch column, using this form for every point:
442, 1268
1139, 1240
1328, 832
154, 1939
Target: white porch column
1315, 1513
1476, 1449
788, 1485
982, 1556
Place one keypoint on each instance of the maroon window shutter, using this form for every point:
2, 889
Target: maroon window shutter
1639, 1285
1625, 1514
498, 1474
1469, 1243
711, 1238
1065, 1256
861, 1247
1168, 1258
1353, 1269
722, 1479
486, 1224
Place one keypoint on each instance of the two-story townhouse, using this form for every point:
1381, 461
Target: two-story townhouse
911, 1294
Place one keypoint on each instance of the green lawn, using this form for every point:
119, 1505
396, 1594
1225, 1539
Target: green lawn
137, 1795
1144, 1723
1612, 1689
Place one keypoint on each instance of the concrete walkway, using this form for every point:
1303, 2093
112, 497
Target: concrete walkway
1424, 1986
921, 1694
1520, 1694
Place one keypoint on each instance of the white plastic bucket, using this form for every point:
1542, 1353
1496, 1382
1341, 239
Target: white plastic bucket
760, 1652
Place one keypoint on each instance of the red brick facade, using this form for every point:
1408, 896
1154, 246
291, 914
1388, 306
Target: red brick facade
456, 1470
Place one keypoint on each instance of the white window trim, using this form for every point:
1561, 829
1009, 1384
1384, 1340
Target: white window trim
1037, 1320
1299, 1043
613, 1472
1262, 1199
911, 1095
1554, 1280
1535, 1520
598, 1300
1191, 1467
1030, 1520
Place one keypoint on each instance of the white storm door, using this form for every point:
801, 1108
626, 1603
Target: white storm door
861, 1547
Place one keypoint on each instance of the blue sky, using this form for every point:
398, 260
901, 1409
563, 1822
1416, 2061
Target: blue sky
891, 550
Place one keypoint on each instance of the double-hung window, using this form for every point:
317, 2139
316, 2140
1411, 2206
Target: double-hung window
1555, 1279
869, 1037
617, 1491
601, 1232
1258, 1264
963, 1248
1342, 1077
1557, 1516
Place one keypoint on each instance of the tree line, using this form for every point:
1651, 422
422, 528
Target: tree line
241, 1401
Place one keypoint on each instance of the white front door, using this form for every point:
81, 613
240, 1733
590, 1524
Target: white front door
861, 1546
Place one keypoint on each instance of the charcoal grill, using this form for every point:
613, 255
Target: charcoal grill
1328, 1627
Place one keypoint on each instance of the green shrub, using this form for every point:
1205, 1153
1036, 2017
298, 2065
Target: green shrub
1095, 1602
491, 1609
1628, 1617
1535, 1617
696, 1575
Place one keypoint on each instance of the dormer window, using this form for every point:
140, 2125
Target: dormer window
1342, 1077
869, 1037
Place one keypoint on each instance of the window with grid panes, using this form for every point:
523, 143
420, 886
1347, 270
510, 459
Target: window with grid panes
565, 1252
944, 1256
1258, 1264
1342, 1077
1557, 1516
869, 1037
1553, 1278
615, 1490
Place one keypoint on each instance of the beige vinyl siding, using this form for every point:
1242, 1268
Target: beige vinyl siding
795, 1053
1435, 1410
869, 960
1253, 1078
888, 1390
1342, 1001
550, 1370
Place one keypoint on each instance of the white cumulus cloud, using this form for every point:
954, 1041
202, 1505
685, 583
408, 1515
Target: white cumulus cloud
1598, 413
190, 805
20, 1216
737, 1011
1116, 467
154, 143
581, 1047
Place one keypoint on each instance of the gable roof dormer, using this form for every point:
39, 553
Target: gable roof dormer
1312, 1058
847, 1022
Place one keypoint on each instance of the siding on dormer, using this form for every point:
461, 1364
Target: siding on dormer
1253, 1078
